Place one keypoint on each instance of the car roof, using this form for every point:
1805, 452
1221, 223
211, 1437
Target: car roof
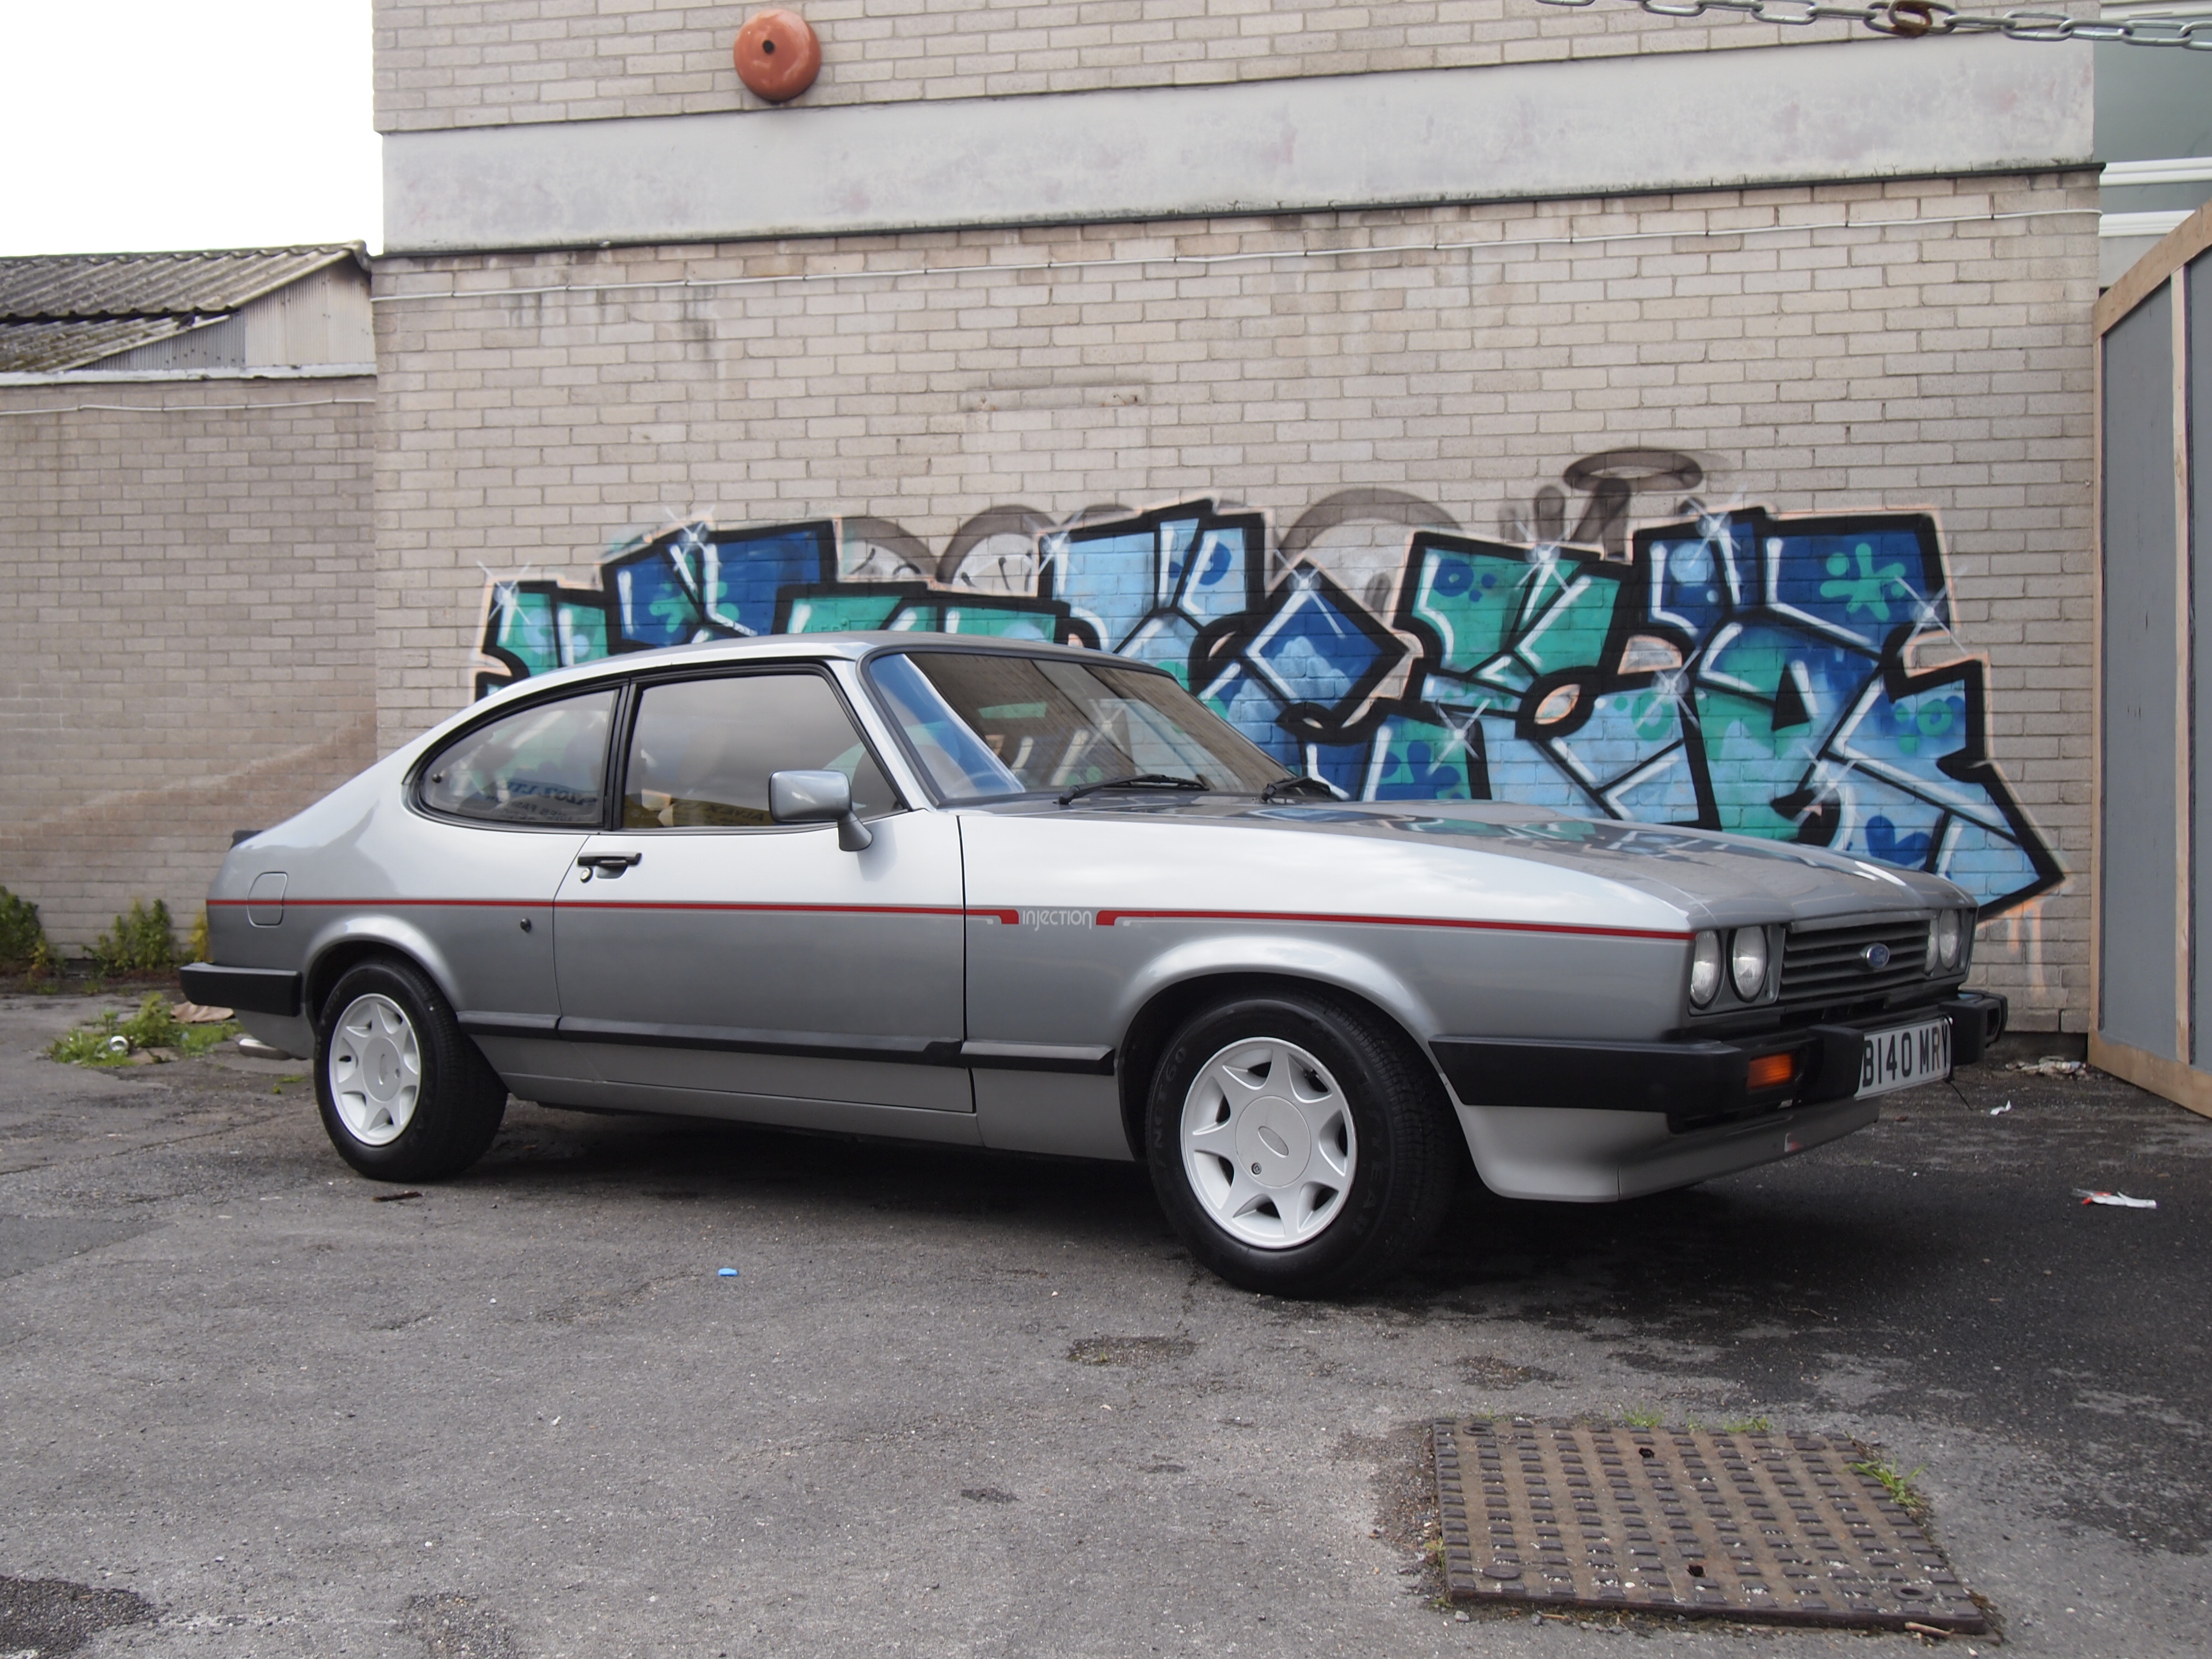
818, 647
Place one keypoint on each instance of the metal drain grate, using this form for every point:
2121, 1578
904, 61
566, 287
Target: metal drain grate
1773, 1527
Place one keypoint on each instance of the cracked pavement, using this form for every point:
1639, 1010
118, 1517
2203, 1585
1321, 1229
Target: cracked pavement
962, 1403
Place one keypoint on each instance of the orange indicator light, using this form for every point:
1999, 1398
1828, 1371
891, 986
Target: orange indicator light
1772, 1070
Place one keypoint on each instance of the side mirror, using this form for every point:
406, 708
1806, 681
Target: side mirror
818, 798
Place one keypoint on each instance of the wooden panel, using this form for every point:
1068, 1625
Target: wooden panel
2183, 244
2184, 1085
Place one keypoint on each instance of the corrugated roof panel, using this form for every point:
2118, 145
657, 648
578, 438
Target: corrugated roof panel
47, 347
102, 286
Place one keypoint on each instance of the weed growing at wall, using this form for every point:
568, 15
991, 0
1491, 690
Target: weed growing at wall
154, 1032
196, 942
23, 946
145, 940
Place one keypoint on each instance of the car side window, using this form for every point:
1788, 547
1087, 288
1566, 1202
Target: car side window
545, 764
702, 751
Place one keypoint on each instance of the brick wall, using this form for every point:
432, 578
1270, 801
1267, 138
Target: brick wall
923, 379
486, 62
186, 636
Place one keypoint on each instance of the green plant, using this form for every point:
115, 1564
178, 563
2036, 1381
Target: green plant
1902, 1491
156, 1025
1641, 1417
22, 939
1747, 1425
196, 943
145, 940
88, 1045
113, 1038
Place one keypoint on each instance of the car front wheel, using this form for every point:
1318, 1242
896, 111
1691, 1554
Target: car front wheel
1299, 1146
404, 1095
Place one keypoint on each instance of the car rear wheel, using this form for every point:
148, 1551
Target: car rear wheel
1298, 1145
404, 1095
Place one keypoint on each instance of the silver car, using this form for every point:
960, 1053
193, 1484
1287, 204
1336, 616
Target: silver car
999, 893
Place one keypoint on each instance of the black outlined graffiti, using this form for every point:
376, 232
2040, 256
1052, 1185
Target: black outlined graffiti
1740, 671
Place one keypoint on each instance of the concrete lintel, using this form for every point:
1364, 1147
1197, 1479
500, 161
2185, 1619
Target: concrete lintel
1524, 132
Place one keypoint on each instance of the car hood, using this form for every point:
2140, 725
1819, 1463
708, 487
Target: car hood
1721, 878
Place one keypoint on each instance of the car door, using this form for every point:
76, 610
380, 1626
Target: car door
708, 957
501, 813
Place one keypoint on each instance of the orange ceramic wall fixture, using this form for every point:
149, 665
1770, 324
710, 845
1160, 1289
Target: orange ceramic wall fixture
778, 55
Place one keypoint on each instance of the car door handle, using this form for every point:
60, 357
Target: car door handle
609, 865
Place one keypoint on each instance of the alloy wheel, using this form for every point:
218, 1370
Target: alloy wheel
375, 1069
1267, 1143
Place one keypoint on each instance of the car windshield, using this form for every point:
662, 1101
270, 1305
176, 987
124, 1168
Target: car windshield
988, 725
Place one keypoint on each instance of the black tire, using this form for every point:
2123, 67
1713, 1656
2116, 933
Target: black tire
1400, 1142
457, 1099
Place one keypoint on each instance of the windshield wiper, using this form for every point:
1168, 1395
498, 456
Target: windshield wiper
1282, 786
1135, 780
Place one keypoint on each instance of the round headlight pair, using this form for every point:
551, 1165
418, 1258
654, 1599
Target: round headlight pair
1746, 962
1950, 939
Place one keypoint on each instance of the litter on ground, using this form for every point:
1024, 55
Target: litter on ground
726, 1273
2120, 1201
2049, 1065
1999, 1111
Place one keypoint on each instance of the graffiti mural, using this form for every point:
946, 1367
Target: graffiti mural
1740, 670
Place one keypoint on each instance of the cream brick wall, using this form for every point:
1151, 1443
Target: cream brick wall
471, 63
186, 636
922, 378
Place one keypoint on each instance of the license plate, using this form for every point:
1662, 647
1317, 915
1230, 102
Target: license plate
1905, 1057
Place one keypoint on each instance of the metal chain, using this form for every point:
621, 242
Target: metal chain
1912, 18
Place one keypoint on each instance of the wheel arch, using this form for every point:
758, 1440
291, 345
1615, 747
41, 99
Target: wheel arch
1169, 1006
361, 939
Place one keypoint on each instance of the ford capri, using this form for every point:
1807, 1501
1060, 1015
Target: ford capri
1023, 897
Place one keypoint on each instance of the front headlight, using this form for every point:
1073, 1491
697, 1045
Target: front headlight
1748, 962
1704, 969
1950, 939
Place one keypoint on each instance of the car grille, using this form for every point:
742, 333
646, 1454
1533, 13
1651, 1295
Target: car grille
1830, 965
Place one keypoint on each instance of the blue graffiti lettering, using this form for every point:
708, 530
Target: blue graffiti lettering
1742, 671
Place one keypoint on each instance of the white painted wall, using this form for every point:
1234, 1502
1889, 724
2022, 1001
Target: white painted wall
1519, 131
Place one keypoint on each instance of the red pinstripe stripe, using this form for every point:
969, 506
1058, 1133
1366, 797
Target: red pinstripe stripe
1108, 918
1008, 918
794, 909
372, 903
616, 905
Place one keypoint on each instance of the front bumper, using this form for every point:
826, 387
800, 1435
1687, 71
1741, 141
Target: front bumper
1594, 1123
1697, 1084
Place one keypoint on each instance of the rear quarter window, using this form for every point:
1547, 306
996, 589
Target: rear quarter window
543, 765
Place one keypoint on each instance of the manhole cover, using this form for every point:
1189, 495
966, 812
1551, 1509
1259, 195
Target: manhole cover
1773, 1527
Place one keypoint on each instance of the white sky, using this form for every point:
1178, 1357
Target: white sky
130, 126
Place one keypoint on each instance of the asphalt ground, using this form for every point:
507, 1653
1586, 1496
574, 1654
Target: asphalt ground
959, 1403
